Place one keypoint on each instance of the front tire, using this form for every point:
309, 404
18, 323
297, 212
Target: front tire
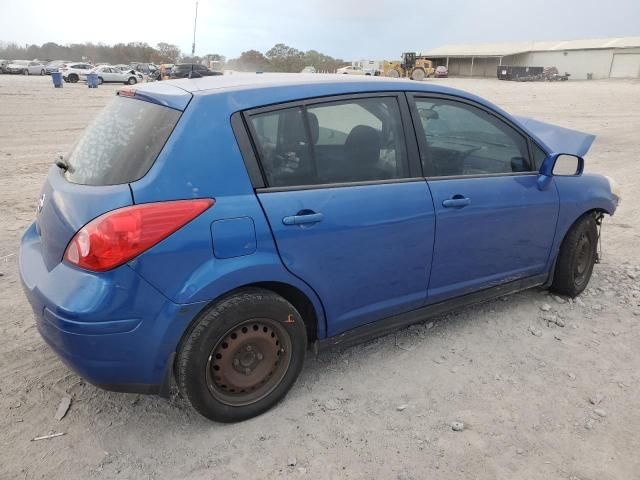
25, 72
42, 72
242, 356
132, 81
576, 258
73, 78
418, 75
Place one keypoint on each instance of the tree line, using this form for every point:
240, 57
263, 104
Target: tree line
280, 58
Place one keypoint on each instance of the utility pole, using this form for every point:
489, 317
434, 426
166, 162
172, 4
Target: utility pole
193, 45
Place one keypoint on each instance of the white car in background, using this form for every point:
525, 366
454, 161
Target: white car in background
71, 71
26, 67
109, 74
351, 70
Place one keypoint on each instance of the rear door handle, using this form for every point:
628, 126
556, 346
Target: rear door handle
302, 219
456, 201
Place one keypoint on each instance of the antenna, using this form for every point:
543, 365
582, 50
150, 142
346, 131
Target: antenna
193, 45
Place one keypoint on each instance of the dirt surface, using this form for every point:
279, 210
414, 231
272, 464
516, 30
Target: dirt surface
541, 394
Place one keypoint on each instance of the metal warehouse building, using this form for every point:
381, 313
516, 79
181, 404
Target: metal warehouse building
594, 58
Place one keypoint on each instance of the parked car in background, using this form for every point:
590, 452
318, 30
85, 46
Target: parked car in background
441, 72
351, 70
127, 68
308, 70
71, 71
183, 70
26, 67
3, 65
146, 68
54, 66
221, 270
110, 74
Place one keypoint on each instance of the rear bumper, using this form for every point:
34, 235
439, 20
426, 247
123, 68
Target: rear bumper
113, 329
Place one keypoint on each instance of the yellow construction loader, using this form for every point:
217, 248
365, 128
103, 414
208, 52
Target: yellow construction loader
411, 66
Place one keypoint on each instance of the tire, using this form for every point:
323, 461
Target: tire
42, 72
132, 81
253, 341
25, 72
393, 73
100, 81
418, 74
73, 78
577, 257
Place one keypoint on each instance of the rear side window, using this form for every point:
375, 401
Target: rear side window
347, 141
122, 143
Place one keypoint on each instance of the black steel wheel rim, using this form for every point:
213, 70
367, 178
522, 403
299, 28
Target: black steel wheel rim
248, 362
583, 259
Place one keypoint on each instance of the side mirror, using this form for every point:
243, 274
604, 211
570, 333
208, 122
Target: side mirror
559, 164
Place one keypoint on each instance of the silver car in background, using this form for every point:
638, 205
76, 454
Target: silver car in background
110, 74
26, 67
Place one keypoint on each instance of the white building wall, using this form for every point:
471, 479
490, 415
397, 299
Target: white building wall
578, 63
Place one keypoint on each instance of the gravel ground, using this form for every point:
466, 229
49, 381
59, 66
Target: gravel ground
529, 386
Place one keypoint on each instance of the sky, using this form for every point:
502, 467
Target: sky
348, 29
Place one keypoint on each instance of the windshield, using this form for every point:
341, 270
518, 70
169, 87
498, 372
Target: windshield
122, 143
21, 62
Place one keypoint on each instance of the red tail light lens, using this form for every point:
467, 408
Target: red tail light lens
118, 236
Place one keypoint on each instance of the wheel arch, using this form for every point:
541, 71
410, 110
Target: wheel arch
598, 212
308, 309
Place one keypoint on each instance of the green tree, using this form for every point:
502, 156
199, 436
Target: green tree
283, 58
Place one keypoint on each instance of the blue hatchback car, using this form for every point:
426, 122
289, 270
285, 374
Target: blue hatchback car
211, 230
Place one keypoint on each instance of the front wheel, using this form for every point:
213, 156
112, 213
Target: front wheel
100, 80
25, 72
73, 78
577, 257
417, 75
132, 81
42, 72
242, 356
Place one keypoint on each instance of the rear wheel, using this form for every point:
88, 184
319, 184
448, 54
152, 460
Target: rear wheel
393, 73
73, 78
242, 356
100, 80
42, 72
25, 72
417, 74
576, 258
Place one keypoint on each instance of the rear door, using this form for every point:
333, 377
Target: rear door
493, 224
348, 208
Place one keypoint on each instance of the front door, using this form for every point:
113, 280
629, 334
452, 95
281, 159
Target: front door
493, 224
350, 214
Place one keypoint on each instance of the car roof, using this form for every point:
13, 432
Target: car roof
257, 81
270, 88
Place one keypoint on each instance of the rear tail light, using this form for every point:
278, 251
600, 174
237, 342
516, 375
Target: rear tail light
120, 235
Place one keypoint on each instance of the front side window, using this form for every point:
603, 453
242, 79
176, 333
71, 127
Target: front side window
346, 141
460, 139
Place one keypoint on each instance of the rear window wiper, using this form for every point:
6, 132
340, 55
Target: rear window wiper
63, 165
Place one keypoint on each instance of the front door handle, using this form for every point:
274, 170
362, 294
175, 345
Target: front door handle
303, 218
456, 201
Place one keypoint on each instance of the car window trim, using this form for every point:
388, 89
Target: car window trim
252, 156
319, 186
413, 95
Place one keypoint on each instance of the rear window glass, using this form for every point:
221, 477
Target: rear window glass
122, 143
